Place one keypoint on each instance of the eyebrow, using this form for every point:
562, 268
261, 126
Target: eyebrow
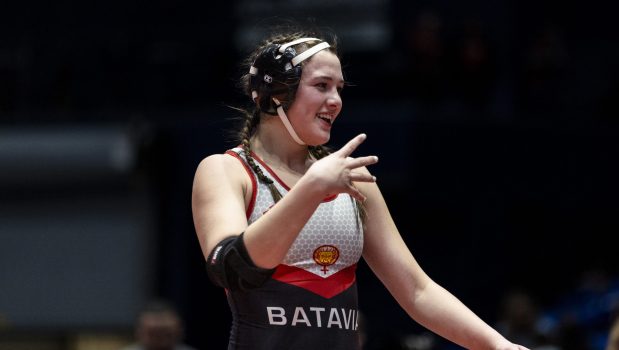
326, 77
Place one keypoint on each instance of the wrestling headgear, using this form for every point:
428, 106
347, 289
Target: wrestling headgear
276, 71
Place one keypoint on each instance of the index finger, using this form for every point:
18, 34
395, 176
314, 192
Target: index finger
352, 145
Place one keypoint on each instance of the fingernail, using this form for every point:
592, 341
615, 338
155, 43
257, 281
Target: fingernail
374, 178
375, 158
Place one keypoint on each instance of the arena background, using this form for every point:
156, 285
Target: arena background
495, 121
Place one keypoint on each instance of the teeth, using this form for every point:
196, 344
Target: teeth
325, 117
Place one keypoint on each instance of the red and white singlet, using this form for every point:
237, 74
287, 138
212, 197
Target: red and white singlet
311, 300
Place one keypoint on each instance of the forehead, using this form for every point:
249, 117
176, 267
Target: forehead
323, 64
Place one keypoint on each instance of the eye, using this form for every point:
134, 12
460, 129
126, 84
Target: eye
321, 86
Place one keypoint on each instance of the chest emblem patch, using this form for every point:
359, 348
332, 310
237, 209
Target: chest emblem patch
326, 255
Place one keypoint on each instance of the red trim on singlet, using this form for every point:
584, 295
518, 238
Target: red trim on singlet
254, 189
268, 168
281, 182
329, 198
325, 287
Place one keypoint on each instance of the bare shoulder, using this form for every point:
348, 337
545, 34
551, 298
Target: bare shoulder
220, 176
217, 161
219, 199
220, 167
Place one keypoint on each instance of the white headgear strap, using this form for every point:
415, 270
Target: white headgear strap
294, 42
284, 118
309, 52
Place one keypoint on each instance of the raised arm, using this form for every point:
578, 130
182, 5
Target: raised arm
424, 300
220, 190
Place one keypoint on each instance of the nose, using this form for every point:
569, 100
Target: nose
334, 101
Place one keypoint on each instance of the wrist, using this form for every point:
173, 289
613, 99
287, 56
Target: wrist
502, 344
313, 187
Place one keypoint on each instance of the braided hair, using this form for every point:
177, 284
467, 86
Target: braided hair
251, 122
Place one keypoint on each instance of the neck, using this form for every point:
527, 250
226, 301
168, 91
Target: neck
275, 146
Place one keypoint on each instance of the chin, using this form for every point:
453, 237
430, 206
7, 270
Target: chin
319, 141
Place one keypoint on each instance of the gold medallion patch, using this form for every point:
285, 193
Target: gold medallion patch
326, 255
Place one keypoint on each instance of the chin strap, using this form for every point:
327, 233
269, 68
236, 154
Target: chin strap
284, 119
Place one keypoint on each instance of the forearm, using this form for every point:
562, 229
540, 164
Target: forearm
268, 239
440, 311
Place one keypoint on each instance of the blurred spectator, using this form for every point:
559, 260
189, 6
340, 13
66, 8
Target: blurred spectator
474, 66
159, 327
425, 51
543, 76
582, 318
520, 320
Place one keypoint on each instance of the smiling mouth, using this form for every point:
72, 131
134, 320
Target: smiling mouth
326, 118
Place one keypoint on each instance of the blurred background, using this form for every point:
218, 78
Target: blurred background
496, 123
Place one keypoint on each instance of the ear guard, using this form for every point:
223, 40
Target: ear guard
277, 70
